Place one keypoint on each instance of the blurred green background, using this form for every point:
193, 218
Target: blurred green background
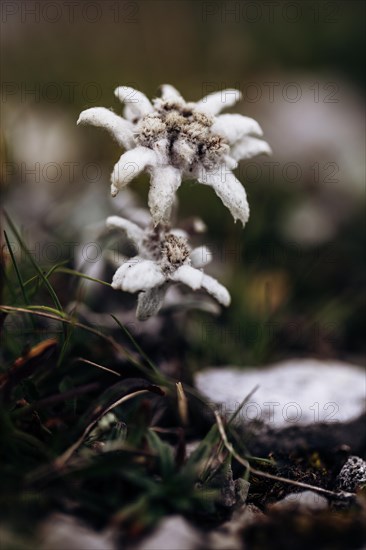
296, 272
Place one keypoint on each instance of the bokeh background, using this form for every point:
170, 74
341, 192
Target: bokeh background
296, 272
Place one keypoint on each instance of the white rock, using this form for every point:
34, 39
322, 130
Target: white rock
61, 532
306, 501
294, 392
228, 535
172, 533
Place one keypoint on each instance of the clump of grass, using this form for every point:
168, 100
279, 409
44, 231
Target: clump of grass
84, 417
91, 426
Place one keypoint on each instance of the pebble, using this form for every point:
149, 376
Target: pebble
306, 501
353, 474
173, 533
61, 531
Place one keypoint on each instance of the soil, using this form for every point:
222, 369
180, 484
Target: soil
312, 454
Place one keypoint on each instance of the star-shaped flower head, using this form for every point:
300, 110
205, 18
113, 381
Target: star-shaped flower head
173, 139
164, 257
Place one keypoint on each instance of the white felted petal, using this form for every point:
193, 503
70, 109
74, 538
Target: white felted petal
230, 162
138, 103
179, 233
133, 231
168, 92
121, 129
189, 276
249, 147
138, 274
217, 290
214, 103
200, 256
229, 189
130, 165
234, 127
164, 183
150, 302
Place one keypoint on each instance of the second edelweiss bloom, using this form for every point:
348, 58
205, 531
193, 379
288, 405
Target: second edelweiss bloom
173, 139
164, 257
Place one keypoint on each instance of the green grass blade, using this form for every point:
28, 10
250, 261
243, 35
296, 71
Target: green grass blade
244, 402
48, 274
69, 333
19, 277
34, 264
48, 309
164, 452
82, 275
5, 278
137, 347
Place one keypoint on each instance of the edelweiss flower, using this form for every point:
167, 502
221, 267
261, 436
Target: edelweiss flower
164, 257
172, 139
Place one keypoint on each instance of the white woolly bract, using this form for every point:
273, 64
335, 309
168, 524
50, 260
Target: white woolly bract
200, 256
149, 303
217, 290
164, 183
119, 128
234, 127
169, 92
249, 147
138, 103
130, 165
188, 275
138, 274
133, 231
217, 101
230, 191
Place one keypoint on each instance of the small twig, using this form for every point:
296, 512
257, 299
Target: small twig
244, 462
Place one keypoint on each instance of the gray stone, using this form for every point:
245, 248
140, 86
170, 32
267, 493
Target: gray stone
173, 533
353, 474
241, 491
231, 493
